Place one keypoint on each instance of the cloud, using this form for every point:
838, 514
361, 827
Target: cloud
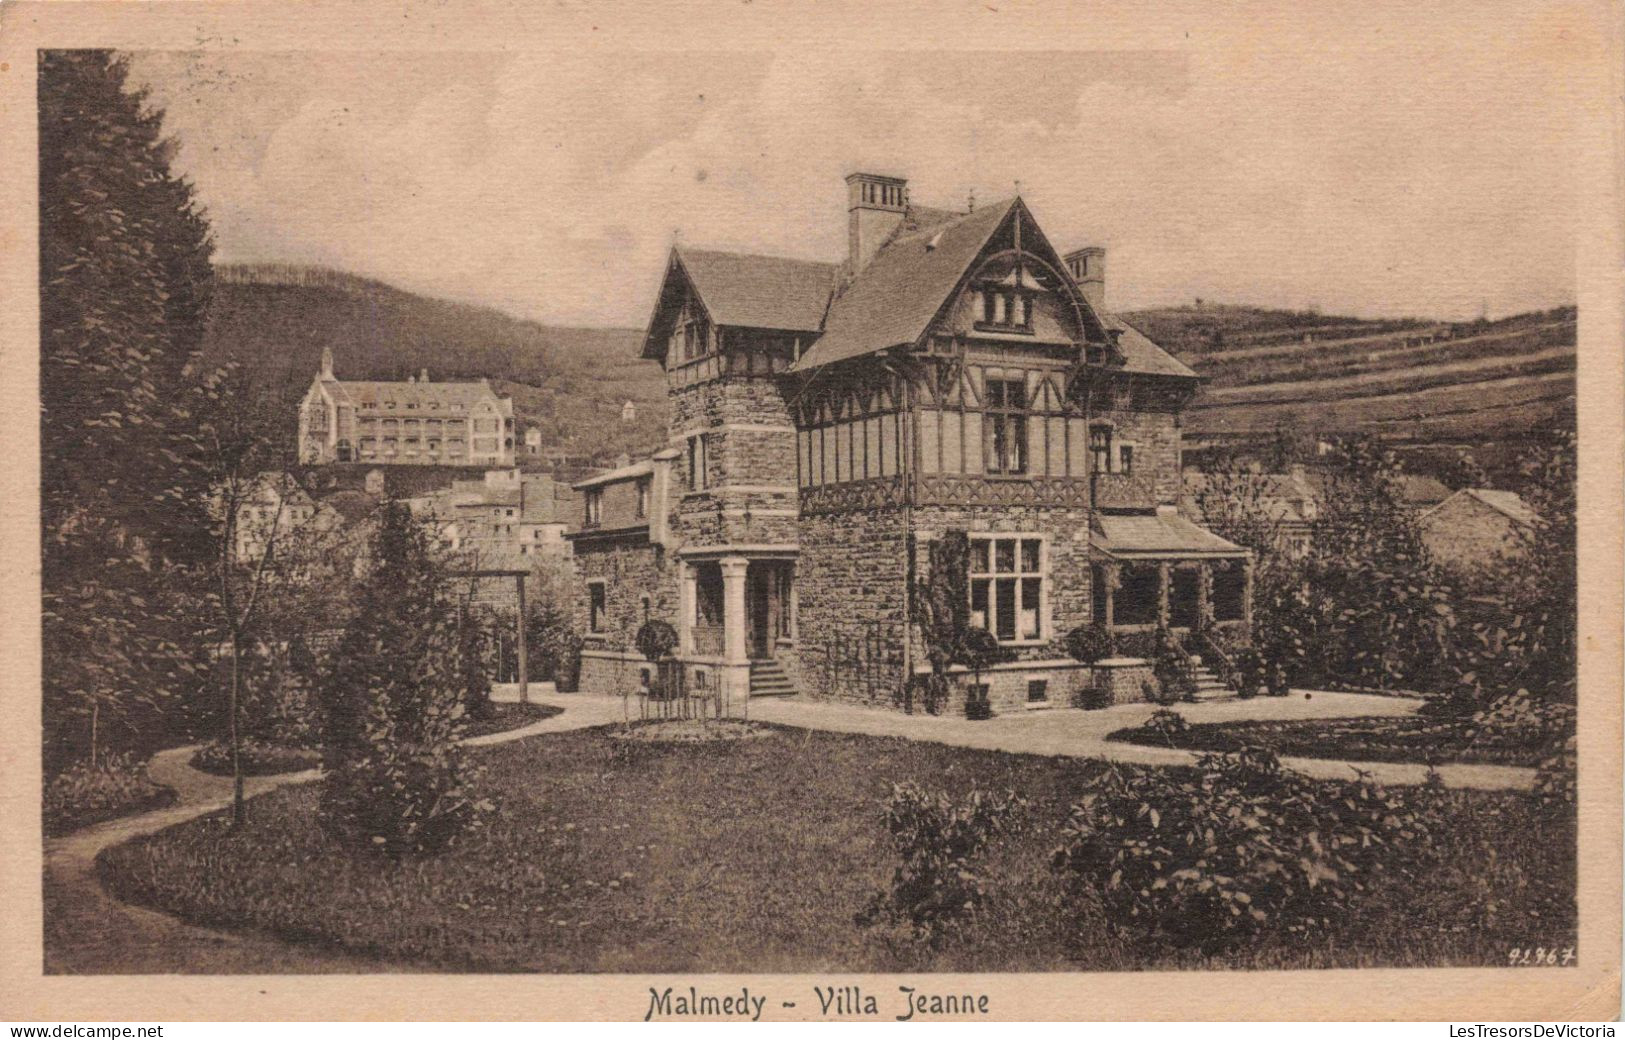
552, 184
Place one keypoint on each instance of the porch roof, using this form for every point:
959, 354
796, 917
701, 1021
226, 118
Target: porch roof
1157, 536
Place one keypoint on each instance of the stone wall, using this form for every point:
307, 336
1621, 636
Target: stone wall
1009, 685
1156, 466
851, 586
629, 569
1124, 678
750, 463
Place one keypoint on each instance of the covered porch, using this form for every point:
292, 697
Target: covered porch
1161, 570
737, 613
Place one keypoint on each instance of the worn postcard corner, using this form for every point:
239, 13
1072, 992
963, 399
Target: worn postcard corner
809, 512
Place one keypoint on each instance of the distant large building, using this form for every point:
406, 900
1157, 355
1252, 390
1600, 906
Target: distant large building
417, 422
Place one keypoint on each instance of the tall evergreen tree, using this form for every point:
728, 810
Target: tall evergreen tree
125, 279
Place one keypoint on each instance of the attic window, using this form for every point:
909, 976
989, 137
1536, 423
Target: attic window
1004, 308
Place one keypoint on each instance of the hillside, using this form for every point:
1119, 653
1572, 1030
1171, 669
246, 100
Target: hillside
1418, 383
1415, 382
570, 382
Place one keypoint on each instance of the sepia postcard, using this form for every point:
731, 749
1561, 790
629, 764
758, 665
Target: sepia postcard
777, 511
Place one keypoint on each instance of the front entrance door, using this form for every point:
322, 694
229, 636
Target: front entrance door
759, 609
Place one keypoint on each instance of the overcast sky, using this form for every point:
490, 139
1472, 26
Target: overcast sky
552, 184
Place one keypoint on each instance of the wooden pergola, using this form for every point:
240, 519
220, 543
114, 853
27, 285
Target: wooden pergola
518, 577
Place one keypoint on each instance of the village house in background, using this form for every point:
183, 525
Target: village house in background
501, 517
831, 420
1476, 530
417, 422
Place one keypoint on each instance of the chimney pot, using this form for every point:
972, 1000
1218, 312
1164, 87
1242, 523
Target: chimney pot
875, 205
1088, 268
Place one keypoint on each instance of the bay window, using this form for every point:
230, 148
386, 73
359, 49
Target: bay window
1007, 575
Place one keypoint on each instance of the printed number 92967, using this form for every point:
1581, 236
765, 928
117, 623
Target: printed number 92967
1540, 957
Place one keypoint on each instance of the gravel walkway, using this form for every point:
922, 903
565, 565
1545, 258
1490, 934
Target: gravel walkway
1082, 734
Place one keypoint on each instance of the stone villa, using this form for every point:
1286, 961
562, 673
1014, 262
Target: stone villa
417, 422
831, 420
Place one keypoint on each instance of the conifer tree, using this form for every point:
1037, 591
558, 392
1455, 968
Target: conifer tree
125, 280
392, 700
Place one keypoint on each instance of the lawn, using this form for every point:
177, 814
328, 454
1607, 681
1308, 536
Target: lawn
1401, 738
610, 856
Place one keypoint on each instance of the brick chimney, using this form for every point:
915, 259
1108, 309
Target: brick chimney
874, 207
1088, 268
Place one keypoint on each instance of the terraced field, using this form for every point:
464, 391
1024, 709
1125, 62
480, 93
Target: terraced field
1409, 380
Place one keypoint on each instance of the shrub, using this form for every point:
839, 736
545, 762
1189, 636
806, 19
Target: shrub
1166, 725
1518, 718
393, 700
1215, 859
980, 649
84, 794
656, 639
1092, 698
1249, 672
567, 662
939, 883
1276, 681
1150, 691
978, 706
1088, 643
258, 758
1556, 780
1176, 678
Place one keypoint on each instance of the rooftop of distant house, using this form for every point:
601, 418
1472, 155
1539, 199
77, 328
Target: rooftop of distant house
416, 393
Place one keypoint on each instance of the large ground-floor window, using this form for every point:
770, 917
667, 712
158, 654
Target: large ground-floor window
1007, 575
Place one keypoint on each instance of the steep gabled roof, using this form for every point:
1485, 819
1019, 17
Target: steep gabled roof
1507, 503
1142, 355
894, 298
760, 292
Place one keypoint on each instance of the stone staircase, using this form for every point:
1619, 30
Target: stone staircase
767, 679
1208, 686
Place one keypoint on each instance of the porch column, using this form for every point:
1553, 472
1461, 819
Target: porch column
1247, 594
1111, 575
735, 656
1204, 594
687, 596
794, 606
1164, 579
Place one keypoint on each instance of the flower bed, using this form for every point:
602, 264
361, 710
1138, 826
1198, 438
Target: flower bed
1391, 738
83, 794
258, 758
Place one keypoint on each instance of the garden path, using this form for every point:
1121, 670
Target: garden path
89, 932
1082, 734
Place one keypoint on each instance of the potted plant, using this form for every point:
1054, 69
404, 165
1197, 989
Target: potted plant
978, 650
